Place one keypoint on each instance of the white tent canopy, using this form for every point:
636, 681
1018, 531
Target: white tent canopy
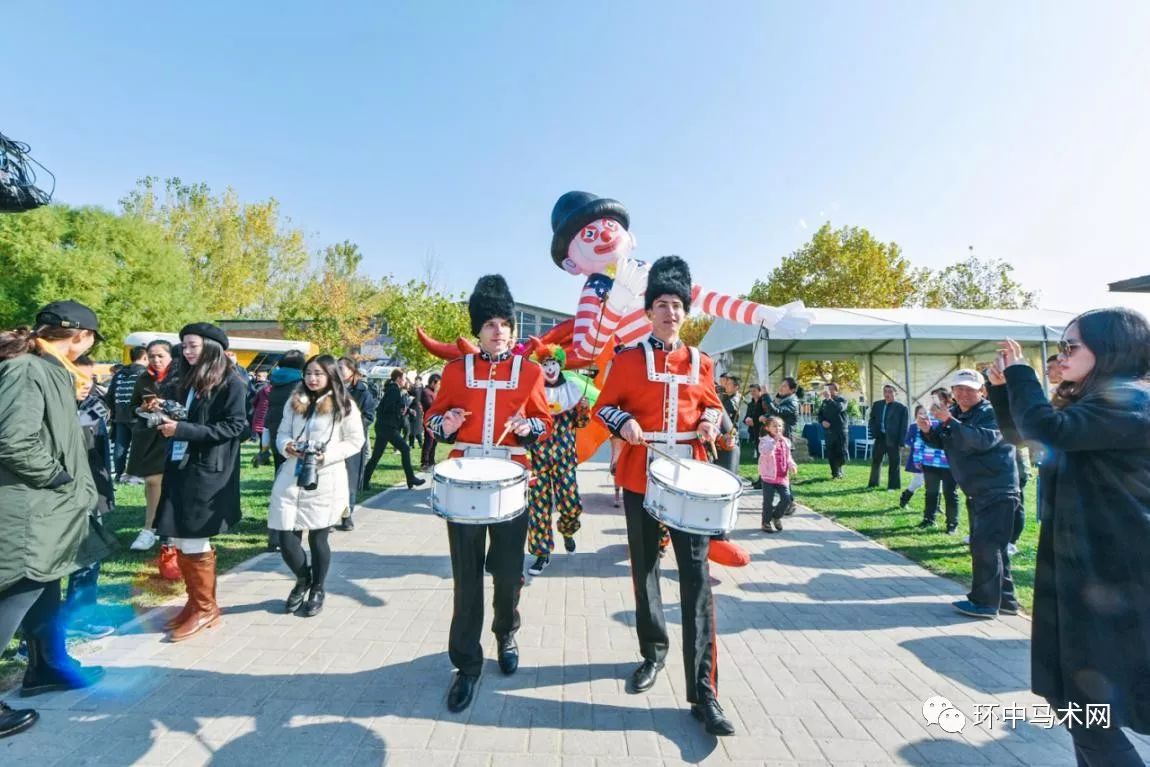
915, 349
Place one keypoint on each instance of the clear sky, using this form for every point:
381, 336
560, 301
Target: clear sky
730, 129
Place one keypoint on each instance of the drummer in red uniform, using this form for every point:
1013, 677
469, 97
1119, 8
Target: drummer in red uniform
480, 397
663, 392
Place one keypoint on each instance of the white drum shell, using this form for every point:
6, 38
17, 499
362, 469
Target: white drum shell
474, 500
698, 512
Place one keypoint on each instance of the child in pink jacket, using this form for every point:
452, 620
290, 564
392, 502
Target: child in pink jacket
775, 467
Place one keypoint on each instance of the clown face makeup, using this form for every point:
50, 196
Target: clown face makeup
597, 246
552, 370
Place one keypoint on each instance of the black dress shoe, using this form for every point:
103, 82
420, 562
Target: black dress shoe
13, 720
461, 692
644, 677
416, 482
710, 713
508, 655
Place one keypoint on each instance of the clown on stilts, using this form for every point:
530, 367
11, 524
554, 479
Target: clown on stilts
554, 461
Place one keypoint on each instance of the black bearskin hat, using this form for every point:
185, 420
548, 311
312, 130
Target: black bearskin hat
669, 275
491, 298
575, 210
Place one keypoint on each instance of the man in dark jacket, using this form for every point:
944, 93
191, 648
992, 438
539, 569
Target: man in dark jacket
754, 412
888, 423
119, 401
283, 381
785, 406
390, 418
833, 417
983, 464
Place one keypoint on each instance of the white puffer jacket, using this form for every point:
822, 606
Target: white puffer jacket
292, 507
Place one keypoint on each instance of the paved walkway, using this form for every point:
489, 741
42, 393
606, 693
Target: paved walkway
830, 644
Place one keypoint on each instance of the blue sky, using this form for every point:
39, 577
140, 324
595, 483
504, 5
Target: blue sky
731, 130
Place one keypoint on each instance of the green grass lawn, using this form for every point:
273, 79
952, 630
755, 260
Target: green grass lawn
129, 580
875, 513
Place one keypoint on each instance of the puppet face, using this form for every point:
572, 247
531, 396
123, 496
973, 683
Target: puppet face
552, 370
597, 246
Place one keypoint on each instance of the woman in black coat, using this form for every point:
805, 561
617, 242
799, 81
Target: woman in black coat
1091, 643
365, 401
200, 494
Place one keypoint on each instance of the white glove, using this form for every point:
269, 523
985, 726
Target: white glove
798, 318
630, 283
792, 318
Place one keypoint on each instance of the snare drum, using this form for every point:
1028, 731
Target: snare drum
478, 491
692, 496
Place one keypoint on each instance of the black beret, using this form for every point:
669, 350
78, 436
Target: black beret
205, 330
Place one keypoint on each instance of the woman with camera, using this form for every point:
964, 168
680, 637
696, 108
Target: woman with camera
321, 429
149, 447
204, 415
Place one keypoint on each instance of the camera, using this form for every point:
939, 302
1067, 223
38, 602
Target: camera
168, 409
307, 474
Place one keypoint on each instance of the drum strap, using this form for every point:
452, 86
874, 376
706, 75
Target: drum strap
672, 381
491, 385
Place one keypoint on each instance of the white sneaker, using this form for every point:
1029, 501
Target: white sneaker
1011, 549
144, 541
133, 480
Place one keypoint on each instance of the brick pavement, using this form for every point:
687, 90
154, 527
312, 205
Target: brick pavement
829, 645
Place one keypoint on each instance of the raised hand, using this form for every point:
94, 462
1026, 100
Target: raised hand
630, 283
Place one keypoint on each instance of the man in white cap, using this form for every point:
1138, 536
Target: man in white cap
984, 466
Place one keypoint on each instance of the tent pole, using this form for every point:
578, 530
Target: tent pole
1045, 355
906, 363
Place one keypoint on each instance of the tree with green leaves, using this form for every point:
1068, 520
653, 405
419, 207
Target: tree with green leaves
977, 284
124, 268
244, 257
335, 306
415, 305
841, 268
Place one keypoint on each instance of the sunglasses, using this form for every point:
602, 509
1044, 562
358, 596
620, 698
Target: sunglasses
1066, 348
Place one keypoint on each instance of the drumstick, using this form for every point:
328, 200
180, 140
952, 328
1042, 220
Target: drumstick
672, 458
506, 429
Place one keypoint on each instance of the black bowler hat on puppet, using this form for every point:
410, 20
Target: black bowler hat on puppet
205, 330
669, 276
491, 298
575, 210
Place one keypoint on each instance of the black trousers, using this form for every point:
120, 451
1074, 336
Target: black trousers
496, 549
35, 608
991, 523
1103, 747
836, 456
121, 444
940, 480
427, 453
893, 478
770, 510
354, 466
383, 438
700, 649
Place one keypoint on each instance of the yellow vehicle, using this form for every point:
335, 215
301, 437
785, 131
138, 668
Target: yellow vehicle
252, 353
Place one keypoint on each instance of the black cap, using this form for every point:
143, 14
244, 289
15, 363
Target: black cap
69, 314
573, 211
205, 330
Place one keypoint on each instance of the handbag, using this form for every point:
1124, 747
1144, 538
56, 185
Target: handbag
169, 563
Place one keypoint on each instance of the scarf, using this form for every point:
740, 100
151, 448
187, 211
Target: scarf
159, 375
80, 379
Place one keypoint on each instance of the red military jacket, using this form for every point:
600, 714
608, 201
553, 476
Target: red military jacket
493, 390
668, 393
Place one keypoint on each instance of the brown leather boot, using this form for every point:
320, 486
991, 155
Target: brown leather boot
202, 589
177, 621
